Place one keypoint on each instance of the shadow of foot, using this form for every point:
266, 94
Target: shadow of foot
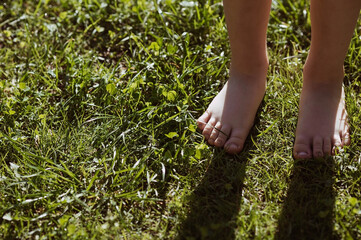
309, 207
215, 203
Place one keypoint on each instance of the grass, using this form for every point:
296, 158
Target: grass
98, 101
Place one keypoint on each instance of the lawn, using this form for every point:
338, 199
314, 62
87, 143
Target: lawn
98, 101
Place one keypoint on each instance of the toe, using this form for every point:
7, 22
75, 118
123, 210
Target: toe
215, 133
344, 133
222, 136
302, 149
202, 120
346, 140
235, 142
207, 130
336, 143
317, 147
327, 146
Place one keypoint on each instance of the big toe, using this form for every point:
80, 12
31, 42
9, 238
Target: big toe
236, 141
302, 149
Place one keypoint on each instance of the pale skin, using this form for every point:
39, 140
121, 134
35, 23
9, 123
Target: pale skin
322, 122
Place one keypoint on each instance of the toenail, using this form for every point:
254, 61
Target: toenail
302, 154
232, 147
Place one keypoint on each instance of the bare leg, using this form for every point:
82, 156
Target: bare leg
229, 117
322, 123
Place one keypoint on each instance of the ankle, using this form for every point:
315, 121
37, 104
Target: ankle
323, 73
254, 69
323, 70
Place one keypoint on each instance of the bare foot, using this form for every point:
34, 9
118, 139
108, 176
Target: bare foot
230, 116
322, 122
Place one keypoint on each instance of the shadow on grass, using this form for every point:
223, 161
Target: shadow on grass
215, 203
309, 207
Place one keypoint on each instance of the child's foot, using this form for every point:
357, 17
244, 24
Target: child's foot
322, 122
230, 116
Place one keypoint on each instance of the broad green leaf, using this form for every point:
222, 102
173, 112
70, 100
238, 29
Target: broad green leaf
353, 201
71, 229
63, 15
22, 85
111, 88
172, 135
192, 128
64, 220
171, 95
198, 154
